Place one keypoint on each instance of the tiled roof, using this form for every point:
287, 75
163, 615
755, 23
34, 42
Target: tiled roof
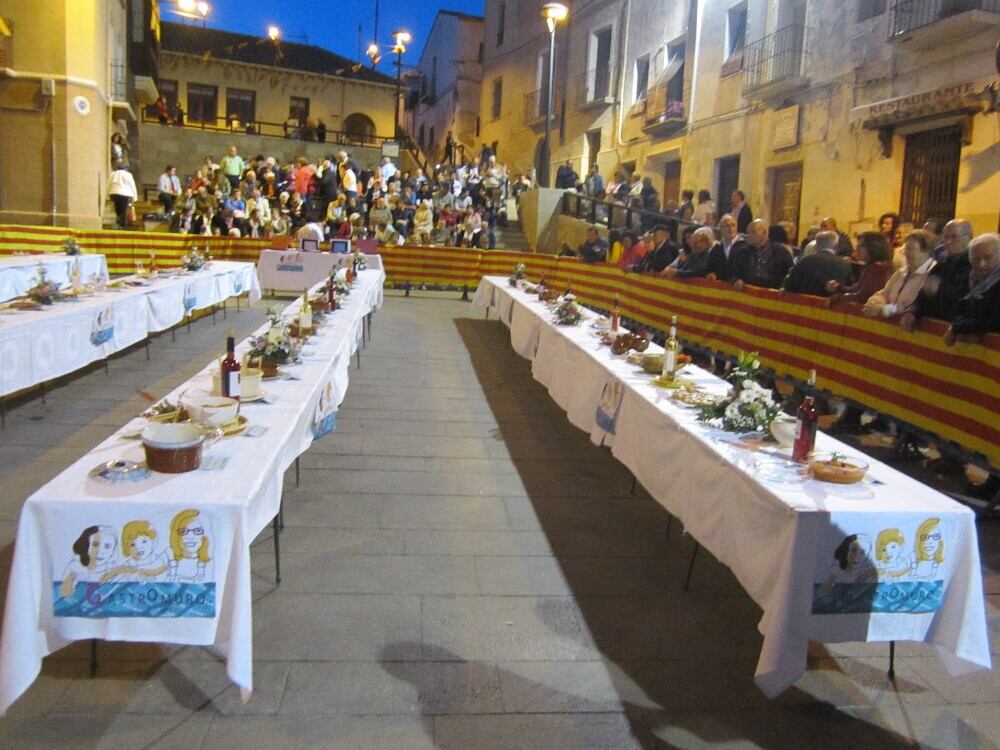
227, 45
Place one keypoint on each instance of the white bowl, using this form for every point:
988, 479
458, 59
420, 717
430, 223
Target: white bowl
212, 411
173, 435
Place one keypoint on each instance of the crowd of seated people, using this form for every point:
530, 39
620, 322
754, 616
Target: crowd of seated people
257, 197
894, 272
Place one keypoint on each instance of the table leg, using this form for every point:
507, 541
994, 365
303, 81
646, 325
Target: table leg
147, 348
93, 657
892, 661
670, 523
281, 514
277, 553
225, 309
296, 472
632, 488
359, 358
687, 579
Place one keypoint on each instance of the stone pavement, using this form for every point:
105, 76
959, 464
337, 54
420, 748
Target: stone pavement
463, 569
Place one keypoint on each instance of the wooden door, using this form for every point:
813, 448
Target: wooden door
786, 192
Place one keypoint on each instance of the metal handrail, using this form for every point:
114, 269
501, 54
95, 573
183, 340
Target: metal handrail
617, 215
269, 129
910, 15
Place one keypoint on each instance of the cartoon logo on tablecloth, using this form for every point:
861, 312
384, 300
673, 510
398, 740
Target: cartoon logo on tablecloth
325, 418
142, 572
290, 262
610, 403
887, 576
103, 328
190, 297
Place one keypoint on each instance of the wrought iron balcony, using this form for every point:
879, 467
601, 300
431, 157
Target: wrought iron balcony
951, 19
119, 82
593, 88
535, 105
664, 111
772, 66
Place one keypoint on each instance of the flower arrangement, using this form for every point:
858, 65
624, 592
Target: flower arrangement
360, 262
44, 292
517, 274
193, 261
568, 312
274, 347
70, 247
340, 286
749, 407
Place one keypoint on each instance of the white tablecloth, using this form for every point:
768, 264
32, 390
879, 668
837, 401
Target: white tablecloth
190, 532
887, 559
293, 271
39, 345
18, 273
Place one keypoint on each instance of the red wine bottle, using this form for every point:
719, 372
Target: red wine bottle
805, 425
231, 369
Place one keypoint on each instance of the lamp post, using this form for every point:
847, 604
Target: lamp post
401, 38
553, 13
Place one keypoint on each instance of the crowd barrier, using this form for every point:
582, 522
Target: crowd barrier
950, 392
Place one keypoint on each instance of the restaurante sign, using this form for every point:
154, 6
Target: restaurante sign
912, 106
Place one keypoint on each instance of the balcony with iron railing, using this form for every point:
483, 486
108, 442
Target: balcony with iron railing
593, 88
926, 23
772, 66
535, 106
663, 110
119, 82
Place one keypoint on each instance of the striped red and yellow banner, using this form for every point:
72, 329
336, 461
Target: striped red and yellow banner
952, 392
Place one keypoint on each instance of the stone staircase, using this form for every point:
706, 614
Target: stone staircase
511, 237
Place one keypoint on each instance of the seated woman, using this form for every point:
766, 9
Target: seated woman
442, 235
423, 224
472, 227
903, 287
875, 257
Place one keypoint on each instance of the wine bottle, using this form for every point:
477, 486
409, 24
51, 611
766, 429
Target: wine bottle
805, 425
541, 287
305, 313
331, 295
153, 272
616, 314
230, 369
671, 348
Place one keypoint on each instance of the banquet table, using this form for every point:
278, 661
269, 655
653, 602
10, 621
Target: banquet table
187, 579
884, 560
39, 345
18, 273
293, 270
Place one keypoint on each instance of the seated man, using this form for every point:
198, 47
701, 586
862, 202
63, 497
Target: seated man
979, 311
696, 263
844, 246
812, 274
758, 261
594, 249
442, 236
664, 252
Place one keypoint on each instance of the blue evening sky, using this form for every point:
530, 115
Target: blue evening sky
334, 25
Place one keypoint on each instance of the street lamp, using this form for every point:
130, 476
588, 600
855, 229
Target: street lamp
193, 10
273, 33
553, 13
401, 38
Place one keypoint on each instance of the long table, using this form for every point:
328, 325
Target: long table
884, 560
293, 270
18, 273
167, 559
39, 345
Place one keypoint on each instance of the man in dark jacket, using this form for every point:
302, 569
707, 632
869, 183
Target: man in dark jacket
740, 211
664, 252
978, 312
720, 257
696, 265
566, 177
948, 281
811, 274
759, 261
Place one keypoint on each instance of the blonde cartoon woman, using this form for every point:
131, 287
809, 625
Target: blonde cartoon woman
890, 555
189, 547
928, 550
142, 562
96, 551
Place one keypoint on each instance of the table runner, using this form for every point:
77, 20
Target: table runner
40, 345
887, 559
168, 559
18, 273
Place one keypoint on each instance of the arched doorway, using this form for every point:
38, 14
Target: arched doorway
359, 127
